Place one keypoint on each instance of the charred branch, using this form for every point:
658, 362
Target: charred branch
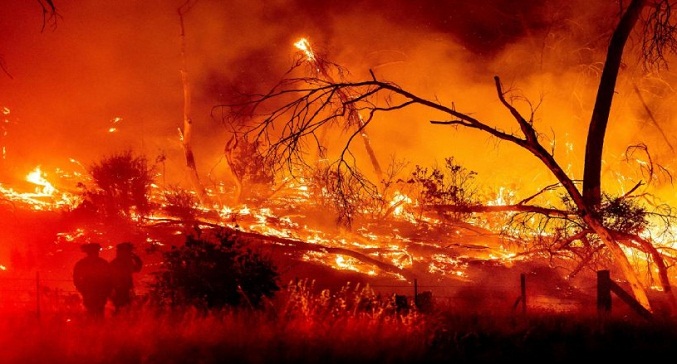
299, 246
551, 212
50, 15
659, 34
650, 170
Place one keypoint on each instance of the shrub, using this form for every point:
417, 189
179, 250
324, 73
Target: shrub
214, 272
122, 184
180, 203
454, 185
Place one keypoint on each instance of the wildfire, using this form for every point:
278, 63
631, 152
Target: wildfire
411, 239
369, 249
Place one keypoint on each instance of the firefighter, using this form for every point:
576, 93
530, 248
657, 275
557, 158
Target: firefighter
92, 279
124, 265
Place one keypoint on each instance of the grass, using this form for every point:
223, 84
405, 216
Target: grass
353, 325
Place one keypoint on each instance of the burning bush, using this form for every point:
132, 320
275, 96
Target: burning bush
181, 203
456, 187
214, 274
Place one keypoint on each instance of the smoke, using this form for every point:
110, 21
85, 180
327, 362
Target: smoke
116, 64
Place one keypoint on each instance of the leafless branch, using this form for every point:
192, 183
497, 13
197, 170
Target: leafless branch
659, 34
3, 67
649, 169
50, 15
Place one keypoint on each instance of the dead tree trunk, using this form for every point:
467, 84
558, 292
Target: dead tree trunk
229, 150
592, 172
187, 132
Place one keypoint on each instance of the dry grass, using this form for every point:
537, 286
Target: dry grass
354, 325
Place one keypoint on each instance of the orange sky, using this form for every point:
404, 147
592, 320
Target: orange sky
106, 60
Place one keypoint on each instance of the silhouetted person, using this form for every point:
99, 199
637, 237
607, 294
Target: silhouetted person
124, 265
92, 278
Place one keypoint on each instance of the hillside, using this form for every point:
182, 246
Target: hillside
464, 265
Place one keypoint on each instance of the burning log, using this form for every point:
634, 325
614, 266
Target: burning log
299, 245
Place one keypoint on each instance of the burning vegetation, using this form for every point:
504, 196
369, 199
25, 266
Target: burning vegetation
307, 186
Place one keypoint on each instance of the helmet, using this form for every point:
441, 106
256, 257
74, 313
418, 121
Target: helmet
126, 246
91, 248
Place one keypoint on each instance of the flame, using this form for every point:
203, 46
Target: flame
44, 197
37, 178
390, 246
394, 246
304, 45
398, 202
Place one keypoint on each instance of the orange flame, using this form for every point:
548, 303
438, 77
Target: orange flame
304, 45
37, 178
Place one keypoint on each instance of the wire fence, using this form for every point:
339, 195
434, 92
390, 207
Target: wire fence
41, 295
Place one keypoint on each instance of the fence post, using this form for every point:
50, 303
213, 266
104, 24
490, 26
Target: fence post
523, 288
37, 294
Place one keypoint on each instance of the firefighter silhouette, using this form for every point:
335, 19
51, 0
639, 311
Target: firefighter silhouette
92, 279
123, 266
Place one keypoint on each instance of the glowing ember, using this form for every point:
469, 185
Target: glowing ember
115, 120
5, 111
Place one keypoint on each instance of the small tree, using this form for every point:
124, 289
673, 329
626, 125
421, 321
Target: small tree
252, 173
452, 186
121, 186
214, 272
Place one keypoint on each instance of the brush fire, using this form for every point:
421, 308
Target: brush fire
390, 156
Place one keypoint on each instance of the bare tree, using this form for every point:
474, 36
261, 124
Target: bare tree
187, 132
658, 39
605, 94
310, 103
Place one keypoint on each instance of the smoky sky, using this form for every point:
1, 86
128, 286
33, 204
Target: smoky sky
483, 27
106, 76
